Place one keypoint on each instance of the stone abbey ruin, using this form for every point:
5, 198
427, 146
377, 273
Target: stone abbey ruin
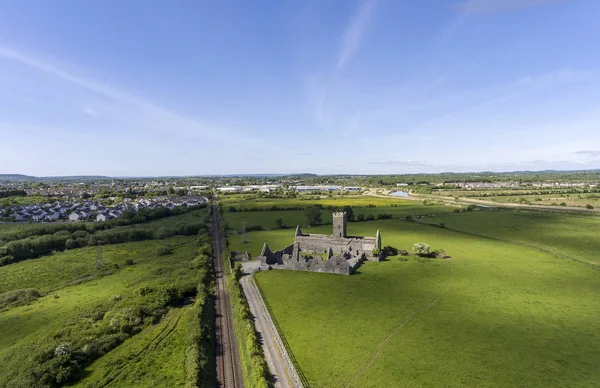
344, 253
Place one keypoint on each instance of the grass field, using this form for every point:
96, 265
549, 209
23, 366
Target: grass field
496, 314
398, 208
575, 237
81, 304
338, 201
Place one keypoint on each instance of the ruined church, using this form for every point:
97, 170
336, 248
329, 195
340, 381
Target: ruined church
344, 253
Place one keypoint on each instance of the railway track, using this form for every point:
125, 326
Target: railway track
229, 372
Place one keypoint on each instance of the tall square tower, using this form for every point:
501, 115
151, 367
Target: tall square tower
339, 224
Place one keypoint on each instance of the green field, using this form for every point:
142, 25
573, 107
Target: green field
497, 314
568, 236
133, 302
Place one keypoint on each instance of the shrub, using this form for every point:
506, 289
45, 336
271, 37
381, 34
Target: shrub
421, 249
389, 251
370, 217
403, 252
588, 206
163, 250
254, 228
129, 262
441, 254
360, 217
280, 224
18, 297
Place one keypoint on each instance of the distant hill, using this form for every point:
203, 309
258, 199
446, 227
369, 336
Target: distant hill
16, 177
28, 178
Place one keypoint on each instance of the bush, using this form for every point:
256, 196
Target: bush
440, 254
18, 297
370, 217
389, 251
588, 206
421, 249
360, 217
254, 228
163, 250
384, 216
130, 261
403, 252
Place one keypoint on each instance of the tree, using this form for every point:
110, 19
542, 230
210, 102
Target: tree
280, 224
313, 215
349, 213
422, 249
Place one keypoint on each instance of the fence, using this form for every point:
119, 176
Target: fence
299, 377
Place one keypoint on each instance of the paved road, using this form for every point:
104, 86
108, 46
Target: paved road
280, 366
229, 370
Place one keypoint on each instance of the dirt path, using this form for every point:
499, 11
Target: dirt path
280, 365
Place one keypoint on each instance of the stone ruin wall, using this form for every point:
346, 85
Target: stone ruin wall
322, 243
290, 258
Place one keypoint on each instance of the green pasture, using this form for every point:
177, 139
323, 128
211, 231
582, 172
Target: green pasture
336, 201
292, 218
73, 289
574, 237
494, 315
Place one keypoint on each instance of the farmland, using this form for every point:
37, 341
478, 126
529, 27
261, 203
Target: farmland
509, 308
141, 319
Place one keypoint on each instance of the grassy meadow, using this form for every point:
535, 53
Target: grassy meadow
567, 236
497, 314
128, 317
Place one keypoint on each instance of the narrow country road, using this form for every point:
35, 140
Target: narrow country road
280, 365
229, 370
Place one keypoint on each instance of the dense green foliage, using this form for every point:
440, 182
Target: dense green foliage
71, 236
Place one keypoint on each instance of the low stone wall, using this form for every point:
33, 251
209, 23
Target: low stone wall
290, 258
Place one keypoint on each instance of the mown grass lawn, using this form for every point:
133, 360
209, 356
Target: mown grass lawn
494, 315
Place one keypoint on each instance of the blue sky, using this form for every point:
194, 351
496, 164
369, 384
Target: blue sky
371, 86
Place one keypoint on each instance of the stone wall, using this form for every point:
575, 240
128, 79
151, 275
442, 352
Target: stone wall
290, 258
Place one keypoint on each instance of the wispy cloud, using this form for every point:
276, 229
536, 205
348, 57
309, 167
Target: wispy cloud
155, 117
589, 154
490, 6
354, 34
90, 112
405, 163
304, 153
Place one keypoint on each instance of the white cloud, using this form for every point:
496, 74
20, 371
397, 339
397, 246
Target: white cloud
489, 6
354, 34
90, 112
154, 117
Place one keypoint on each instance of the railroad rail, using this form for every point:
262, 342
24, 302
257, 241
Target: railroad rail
229, 372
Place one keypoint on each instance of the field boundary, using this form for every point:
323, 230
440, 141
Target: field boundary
406, 321
291, 359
